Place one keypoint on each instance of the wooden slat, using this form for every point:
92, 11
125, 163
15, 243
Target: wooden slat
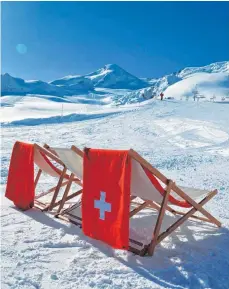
51, 150
57, 188
77, 151
39, 206
50, 190
68, 198
185, 217
37, 178
154, 205
68, 220
136, 203
49, 154
138, 209
144, 251
67, 189
134, 250
194, 217
196, 205
39, 202
159, 219
135, 242
36, 203
148, 166
73, 216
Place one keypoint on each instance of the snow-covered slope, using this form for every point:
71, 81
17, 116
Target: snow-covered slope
110, 76
188, 142
113, 76
159, 85
74, 82
211, 68
204, 85
18, 86
220, 69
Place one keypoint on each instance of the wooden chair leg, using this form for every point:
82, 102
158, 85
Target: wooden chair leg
67, 189
138, 209
156, 206
184, 218
196, 205
159, 219
57, 189
193, 217
50, 191
37, 177
68, 198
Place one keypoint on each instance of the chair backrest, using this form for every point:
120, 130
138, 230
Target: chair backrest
45, 164
141, 185
72, 160
145, 184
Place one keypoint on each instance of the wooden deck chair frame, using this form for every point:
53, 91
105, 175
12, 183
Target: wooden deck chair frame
161, 208
170, 185
64, 180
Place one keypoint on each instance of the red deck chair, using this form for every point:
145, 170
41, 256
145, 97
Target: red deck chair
159, 193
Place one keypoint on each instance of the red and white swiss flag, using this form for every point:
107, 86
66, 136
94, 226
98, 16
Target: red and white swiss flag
106, 196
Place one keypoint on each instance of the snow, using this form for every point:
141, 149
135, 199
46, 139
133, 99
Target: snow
113, 76
187, 141
48, 109
199, 74
18, 86
74, 83
207, 84
216, 67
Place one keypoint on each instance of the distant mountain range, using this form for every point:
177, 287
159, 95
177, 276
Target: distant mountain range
110, 76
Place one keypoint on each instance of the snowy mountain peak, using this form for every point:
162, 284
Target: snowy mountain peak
6, 75
113, 76
216, 67
67, 77
18, 86
112, 67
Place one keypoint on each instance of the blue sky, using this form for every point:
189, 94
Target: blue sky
148, 39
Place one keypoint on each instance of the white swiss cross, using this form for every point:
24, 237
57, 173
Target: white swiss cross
102, 205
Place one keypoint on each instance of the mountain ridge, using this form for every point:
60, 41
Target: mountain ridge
110, 76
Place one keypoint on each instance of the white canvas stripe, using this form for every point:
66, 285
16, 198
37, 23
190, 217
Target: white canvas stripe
72, 161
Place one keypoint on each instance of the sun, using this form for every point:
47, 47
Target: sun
21, 48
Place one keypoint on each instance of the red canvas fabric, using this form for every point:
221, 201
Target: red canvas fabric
20, 183
157, 185
106, 179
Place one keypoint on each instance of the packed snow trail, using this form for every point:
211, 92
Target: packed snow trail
188, 142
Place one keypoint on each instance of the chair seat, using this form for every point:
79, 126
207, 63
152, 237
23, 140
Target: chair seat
193, 192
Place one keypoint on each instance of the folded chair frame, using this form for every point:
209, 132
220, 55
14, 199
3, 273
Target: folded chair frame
64, 180
170, 185
161, 208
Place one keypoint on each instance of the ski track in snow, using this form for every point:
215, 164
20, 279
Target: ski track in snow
189, 142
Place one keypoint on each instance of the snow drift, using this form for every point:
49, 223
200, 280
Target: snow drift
206, 85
